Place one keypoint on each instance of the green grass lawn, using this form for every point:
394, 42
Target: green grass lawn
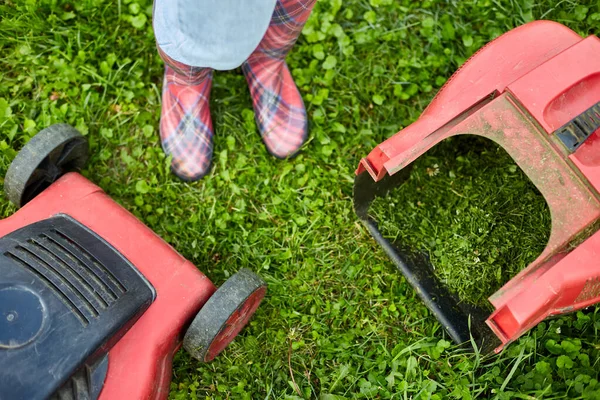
339, 321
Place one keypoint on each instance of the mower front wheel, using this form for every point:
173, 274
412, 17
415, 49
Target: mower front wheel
51, 153
224, 315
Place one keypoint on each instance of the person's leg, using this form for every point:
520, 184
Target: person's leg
278, 106
186, 130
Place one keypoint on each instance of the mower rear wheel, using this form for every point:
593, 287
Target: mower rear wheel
51, 153
224, 315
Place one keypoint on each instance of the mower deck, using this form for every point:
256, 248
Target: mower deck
535, 92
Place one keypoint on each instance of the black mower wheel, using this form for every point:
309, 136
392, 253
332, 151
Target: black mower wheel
224, 315
51, 153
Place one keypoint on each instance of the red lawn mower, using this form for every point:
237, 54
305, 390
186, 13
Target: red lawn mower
536, 92
93, 304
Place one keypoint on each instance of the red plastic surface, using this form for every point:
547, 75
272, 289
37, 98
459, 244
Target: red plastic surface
517, 91
140, 363
571, 284
554, 97
235, 323
587, 159
489, 71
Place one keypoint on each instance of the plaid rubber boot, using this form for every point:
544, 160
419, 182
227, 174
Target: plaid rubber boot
278, 106
186, 130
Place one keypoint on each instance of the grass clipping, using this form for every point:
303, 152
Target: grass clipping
473, 211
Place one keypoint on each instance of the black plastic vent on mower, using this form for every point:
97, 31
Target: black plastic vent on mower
66, 296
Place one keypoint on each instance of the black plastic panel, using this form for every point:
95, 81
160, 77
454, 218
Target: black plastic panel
86, 383
66, 296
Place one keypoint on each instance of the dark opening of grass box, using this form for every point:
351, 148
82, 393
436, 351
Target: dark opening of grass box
473, 211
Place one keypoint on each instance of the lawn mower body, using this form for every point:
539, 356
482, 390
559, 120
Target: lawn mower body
160, 294
536, 92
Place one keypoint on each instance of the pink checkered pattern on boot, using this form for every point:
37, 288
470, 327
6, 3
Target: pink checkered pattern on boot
186, 129
278, 106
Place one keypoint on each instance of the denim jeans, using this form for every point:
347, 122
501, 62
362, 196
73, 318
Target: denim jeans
218, 34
